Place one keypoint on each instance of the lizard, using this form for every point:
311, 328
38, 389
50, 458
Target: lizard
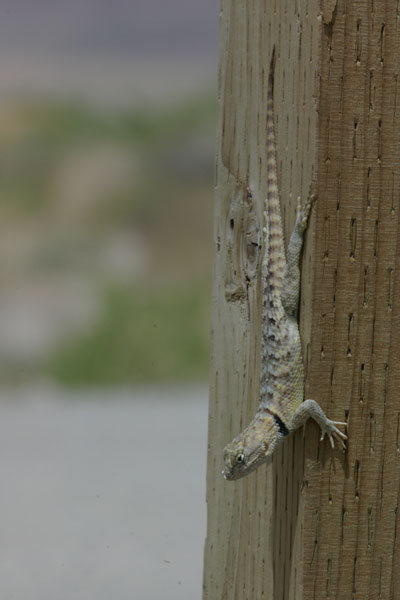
282, 407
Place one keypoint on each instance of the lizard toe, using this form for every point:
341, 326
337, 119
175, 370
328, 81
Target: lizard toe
334, 433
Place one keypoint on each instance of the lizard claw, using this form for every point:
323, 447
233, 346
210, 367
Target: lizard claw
304, 213
333, 433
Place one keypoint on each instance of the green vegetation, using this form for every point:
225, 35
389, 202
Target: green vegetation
142, 336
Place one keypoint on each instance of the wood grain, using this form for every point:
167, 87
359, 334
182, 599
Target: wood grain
315, 523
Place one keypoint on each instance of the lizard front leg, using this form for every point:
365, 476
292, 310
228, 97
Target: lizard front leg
310, 408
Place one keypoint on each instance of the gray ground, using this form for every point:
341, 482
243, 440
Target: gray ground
103, 494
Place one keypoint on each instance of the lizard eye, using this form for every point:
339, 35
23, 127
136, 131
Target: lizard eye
240, 458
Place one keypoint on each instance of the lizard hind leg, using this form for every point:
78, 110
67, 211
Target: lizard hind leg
291, 282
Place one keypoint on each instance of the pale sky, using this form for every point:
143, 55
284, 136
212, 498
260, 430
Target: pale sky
101, 26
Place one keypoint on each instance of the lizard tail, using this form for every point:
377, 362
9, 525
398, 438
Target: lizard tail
274, 257
274, 325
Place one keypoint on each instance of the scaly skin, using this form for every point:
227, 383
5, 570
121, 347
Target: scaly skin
281, 410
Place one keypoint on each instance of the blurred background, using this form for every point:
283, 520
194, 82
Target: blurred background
107, 127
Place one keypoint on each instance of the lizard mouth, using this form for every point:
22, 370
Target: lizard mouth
231, 475
225, 474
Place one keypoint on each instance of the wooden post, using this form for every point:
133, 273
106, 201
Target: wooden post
316, 523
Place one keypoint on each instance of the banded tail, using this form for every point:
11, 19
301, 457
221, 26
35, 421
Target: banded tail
274, 258
275, 332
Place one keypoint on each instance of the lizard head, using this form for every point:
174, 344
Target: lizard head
251, 448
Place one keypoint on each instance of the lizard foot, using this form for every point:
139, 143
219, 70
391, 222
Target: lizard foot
303, 213
330, 429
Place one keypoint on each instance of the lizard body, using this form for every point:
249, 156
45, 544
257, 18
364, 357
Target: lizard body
282, 408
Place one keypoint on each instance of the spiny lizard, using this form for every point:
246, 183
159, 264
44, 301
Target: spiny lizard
282, 407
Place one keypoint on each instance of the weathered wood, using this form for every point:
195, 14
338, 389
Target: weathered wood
316, 523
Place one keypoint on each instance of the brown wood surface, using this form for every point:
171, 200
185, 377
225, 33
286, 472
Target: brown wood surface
316, 523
